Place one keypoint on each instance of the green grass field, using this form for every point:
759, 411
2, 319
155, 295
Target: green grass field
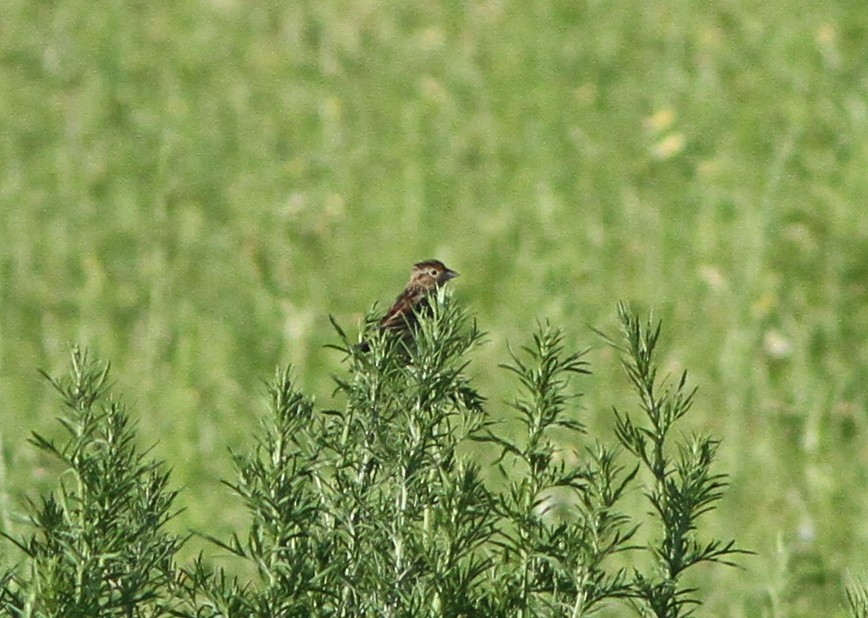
190, 189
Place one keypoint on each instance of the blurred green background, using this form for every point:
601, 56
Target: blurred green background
190, 189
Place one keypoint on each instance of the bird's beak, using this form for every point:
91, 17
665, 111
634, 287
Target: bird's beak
449, 274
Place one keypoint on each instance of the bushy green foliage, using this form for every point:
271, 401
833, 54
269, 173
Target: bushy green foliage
375, 508
684, 485
98, 546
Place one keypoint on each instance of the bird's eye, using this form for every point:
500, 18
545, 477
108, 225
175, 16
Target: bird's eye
433, 272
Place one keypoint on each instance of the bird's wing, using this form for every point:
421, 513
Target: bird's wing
402, 312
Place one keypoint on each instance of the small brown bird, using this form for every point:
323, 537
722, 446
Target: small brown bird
425, 278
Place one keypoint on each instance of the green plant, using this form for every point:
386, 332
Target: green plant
98, 546
554, 564
378, 507
683, 485
369, 510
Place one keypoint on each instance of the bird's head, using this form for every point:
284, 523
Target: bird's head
431, 274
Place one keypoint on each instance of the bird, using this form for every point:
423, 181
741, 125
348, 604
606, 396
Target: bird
425, 278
